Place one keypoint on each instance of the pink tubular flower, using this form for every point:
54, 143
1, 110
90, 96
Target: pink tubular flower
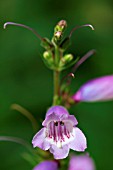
99, 89
47, 165
82, 162
59, 133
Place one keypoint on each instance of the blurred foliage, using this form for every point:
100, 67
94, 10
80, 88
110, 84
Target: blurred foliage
24, 79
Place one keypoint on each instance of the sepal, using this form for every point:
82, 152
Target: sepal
65, 44
47, 44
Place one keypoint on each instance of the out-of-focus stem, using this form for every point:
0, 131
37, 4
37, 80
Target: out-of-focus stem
27, 114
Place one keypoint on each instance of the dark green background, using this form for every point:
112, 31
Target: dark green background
25, 80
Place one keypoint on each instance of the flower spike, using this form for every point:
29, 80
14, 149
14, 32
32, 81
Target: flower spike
75, 28
24, 26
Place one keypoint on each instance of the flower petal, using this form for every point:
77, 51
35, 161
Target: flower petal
55, 113
40, 140
59, 153
100, 89
60, 110
82, 162
52, 117
50, 165
70, 118
79, 143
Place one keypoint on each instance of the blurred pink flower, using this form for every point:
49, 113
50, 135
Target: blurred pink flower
99, 89
82, 162
47, 165
60, 133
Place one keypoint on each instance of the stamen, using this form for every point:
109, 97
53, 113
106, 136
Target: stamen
54, 134
24, 26
56, 123
61, 123
58, 132
75, 28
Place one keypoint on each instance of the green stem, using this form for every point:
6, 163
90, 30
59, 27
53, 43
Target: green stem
56, 79
56, 76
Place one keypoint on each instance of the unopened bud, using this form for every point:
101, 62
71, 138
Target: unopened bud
62, 24
59, 30
47, 55
58, 34
48, 59
66, 59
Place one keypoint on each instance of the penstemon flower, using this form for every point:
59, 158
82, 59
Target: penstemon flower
47, 165
82, 162
59, 133
99, 89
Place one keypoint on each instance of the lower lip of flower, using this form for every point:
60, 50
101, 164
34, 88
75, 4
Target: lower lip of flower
59, 134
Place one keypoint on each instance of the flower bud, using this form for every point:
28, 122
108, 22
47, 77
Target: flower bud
50, 165
66, 59
47, 55
61, 25
99, 89
58, 35
48, 58
59, 30
82, 162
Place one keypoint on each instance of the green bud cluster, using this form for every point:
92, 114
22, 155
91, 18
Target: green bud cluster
54, 56
59, 30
